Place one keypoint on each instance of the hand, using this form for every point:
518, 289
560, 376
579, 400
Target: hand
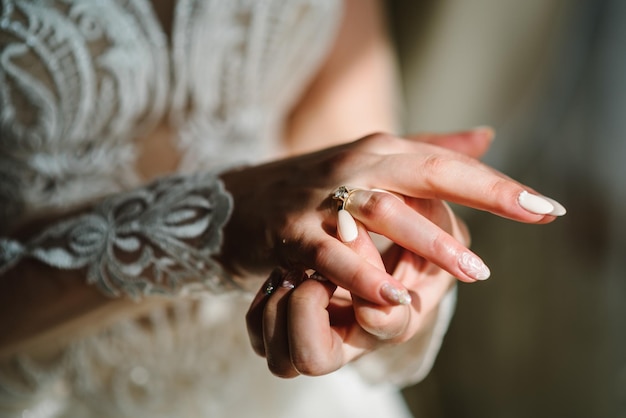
284, 215
310, 327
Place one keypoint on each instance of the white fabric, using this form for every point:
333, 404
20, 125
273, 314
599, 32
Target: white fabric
79, 80
193, 361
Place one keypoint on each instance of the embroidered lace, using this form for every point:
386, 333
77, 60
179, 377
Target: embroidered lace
79, 81
150, 240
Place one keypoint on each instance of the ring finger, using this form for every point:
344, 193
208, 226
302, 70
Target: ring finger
275, 322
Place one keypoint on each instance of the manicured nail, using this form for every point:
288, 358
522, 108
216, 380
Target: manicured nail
474, 266
535, 204
559, 209
288, 284
395, 295
346, 226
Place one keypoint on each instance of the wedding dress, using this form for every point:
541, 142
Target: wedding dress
79, 81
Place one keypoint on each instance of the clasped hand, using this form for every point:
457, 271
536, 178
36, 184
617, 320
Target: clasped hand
358, 298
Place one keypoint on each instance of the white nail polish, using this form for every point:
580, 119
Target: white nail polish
559, 209
395, 295
474, 266
535, 204
346, 226
287, 284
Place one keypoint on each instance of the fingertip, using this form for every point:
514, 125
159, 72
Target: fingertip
481, 139
559, 209
395, 295
485, 131
383, 322
473, 142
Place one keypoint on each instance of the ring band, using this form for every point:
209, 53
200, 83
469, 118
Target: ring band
342, 194
269, 288
276, 276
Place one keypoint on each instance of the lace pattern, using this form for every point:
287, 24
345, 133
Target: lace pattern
181, 360
81, 79
66, 117
151, 240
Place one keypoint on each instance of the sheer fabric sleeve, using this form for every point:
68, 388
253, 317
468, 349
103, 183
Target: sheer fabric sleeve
408, 363
158, 239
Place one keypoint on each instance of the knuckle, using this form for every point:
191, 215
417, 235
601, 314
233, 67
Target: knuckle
322, 253
258, 349
311, 365
279, 369
500, 190
379, 206
441, 243
358, 279
251, 323
344, 162
388, 326
433, 165
376, 139
255, 332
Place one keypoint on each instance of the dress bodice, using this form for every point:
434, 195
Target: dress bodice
80, 80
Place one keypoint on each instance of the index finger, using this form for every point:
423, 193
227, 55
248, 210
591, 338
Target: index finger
465, 181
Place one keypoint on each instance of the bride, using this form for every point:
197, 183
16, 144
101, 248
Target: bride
159, 159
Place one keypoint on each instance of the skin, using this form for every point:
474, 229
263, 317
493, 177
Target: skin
288, 220
300, 233
316, 327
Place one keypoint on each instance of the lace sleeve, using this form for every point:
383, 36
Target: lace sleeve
153, 240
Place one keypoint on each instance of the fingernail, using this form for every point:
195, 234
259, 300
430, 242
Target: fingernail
535, 204
318, 277
395, 295
346, 226
474, 266
559, 209
292, 279
485, 130
287, 284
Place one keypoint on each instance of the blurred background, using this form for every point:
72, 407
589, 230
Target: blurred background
546, 335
